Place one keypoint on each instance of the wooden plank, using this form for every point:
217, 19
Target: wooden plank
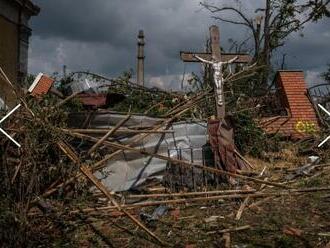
288, 193
234, 229
121, 131
88, 173
215, 42
185, 194
241, 208
216, 55
189, 57
108, 134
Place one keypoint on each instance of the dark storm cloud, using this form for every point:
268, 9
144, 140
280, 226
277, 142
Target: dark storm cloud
312, 49
100, 36
309, 52
169, 26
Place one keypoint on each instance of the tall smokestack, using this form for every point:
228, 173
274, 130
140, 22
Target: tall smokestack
140, 59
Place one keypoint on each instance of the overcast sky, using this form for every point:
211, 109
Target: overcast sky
100, 36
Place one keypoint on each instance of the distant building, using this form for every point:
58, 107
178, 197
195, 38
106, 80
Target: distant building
14, 41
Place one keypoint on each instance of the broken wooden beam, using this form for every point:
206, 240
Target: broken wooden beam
66, 99
233, 229
86, 171
108, 134
190, 57
241, 208
184, 194
119, 131
291, 192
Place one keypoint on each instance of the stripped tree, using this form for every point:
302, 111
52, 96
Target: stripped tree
272, 24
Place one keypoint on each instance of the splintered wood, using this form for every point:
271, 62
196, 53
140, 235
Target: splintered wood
86, 171
97, 146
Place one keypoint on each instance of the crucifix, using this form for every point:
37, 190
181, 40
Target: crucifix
217, 60
220, 130
217, 75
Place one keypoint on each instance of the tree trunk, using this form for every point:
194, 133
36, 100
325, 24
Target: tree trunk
267, 40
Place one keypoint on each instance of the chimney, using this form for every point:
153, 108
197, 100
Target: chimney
140, 59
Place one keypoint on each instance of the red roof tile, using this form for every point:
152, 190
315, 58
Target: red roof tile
41, 85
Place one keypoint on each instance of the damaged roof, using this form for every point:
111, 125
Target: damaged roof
29, 6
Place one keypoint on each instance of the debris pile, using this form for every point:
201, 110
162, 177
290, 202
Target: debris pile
77, 167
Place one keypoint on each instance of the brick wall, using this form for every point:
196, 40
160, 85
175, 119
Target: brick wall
301, 120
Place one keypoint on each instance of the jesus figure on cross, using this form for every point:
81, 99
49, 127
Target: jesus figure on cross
217, 75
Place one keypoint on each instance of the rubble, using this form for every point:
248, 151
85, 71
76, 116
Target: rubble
104, 149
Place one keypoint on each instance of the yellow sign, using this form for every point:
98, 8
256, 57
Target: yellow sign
305, 127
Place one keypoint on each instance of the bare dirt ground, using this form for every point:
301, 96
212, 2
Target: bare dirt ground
286, 221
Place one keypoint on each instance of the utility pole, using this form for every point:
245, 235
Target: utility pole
140, 59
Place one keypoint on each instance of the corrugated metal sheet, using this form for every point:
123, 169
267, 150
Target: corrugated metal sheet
128, 169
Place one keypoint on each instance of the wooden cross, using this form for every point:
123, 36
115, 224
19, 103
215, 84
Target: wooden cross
216, 55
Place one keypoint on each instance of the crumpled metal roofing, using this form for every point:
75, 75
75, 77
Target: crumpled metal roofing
129, 169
